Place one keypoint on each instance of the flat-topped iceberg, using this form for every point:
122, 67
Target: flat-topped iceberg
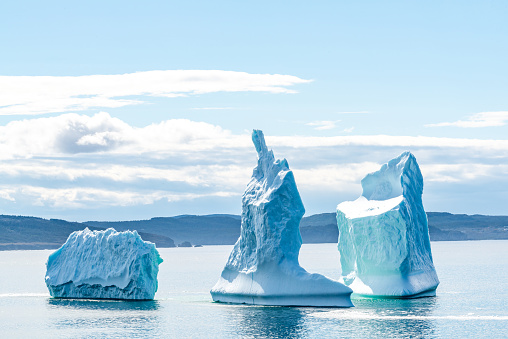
263, 267
384, 240
104, 265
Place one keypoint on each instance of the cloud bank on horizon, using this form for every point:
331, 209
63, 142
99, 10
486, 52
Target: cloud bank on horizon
89, 167
478, 120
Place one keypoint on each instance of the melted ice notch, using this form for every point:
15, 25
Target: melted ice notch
263, 267
384, 240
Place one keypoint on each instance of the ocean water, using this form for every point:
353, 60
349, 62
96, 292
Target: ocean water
471, 301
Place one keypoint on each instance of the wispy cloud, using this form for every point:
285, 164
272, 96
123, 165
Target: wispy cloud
456, 173
354, 112
86, 197
484, 119
337, 177
323, 124
192, 175
212, 108
391, 141
31, 95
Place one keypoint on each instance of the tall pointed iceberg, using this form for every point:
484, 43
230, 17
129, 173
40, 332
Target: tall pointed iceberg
384, 240
263, 267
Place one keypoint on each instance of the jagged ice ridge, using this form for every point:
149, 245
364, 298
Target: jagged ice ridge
263, 266
104, 265
384, 240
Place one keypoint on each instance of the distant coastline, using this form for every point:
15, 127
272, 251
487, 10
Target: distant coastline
31, 233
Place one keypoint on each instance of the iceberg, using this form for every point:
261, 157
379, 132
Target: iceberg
384, 240
263, 266
104, 265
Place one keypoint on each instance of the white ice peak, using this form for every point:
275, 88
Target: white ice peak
263, 266
271, 214
383, 235
386, 188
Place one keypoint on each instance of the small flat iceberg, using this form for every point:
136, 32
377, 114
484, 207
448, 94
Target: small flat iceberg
384, 240
263, 267
104, 265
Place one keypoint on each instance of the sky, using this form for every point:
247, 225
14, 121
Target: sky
124, 110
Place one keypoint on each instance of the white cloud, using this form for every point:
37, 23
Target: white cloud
341, 177
7, 194
86, 197
465, 172
69, 134
31, 95
334, 177
229, 176
212, 108
484, 119
354, 112
388, 141
80, 162
323, 124
74, 134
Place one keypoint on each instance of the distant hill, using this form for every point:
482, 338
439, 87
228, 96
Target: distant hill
18, 232
215, 229
442, 227
467, 227
224, 229
23, 233
319, 228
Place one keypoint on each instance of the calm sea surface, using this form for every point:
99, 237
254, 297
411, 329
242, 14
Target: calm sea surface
471, 302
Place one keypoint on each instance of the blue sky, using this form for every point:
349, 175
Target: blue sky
337, 87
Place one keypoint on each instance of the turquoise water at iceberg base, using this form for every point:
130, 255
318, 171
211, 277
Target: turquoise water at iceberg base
472, 301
